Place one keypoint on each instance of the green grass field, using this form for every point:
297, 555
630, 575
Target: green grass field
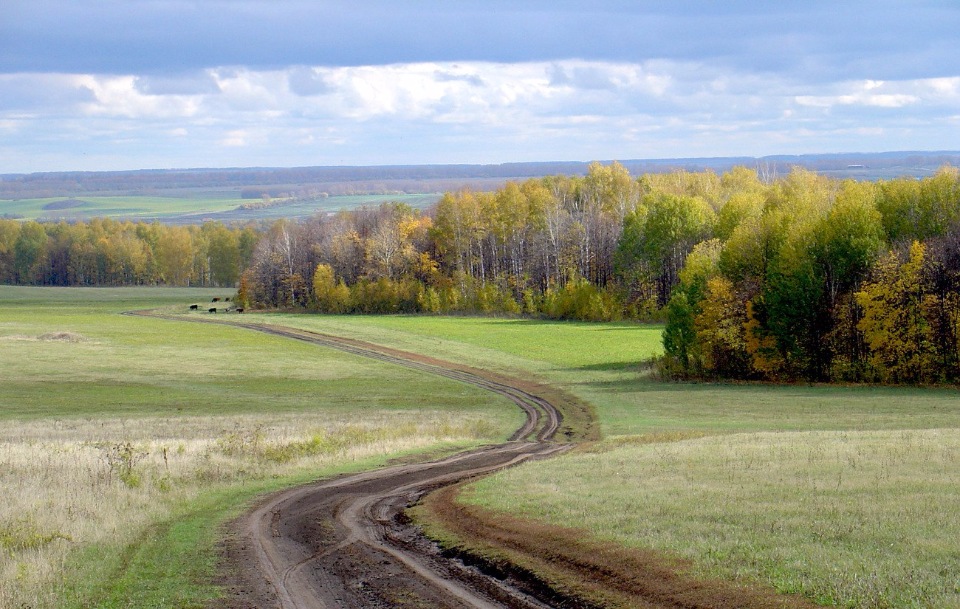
118, 430
602, 364
192, 209
847, 495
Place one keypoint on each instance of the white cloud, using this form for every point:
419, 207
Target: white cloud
466, 112
235, 138
887, 94
120, 96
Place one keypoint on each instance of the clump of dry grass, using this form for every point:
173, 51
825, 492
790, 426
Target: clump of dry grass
63, 337
48, 337
71, 483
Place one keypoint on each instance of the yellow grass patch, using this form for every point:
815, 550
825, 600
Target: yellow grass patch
71, 483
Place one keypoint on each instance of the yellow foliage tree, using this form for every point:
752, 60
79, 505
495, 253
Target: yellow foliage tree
331, 296
720, 329
893, 324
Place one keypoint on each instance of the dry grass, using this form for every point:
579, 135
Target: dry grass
69, 484
856, 519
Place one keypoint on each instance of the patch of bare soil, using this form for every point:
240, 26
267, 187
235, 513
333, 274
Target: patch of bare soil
584, 573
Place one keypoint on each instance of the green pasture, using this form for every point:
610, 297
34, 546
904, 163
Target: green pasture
70, 352
224, 207
233, 412
602, 363
132, 207
845, 518
847, 495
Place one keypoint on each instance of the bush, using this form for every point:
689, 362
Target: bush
581, 300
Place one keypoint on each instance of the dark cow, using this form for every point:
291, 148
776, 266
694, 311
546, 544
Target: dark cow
194, 307
239, 309
227, 299
212, 310
217, 299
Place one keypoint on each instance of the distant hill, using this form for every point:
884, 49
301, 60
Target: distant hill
256, 182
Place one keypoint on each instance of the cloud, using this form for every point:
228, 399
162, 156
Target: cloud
42, 92
121, 96
817, 41
462, 111
235, 138
307, 81
928, 92
456, 75
193, 83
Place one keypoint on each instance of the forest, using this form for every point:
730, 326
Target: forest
105, 252
793, 277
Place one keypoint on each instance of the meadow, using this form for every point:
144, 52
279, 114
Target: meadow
847, 495
126, 441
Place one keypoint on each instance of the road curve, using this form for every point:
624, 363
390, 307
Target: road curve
344, 542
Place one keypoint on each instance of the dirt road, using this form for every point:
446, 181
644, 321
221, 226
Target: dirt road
345, 542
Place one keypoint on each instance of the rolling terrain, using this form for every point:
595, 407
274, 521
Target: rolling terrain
819, 491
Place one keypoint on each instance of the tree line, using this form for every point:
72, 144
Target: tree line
756, 276
108, 252
796, 277
820, 280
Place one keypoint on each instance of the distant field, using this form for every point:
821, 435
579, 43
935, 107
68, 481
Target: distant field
125, 441
223, 207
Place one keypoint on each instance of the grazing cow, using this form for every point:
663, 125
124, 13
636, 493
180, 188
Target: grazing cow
217, 299
194, 307
212, 310
227, 299
239, 309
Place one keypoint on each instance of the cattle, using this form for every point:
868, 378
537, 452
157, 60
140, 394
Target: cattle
212, 310
194, 307
217, 299
227, 299
239, 309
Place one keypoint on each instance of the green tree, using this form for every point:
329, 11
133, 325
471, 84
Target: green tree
9, 234
680, 334
671, 227
850, 238
28, 253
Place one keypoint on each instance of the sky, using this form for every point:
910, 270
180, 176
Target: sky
158, 84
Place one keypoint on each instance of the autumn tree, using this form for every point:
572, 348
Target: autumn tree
893, 323
223, 254
9, 233
331, 295
174, 256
